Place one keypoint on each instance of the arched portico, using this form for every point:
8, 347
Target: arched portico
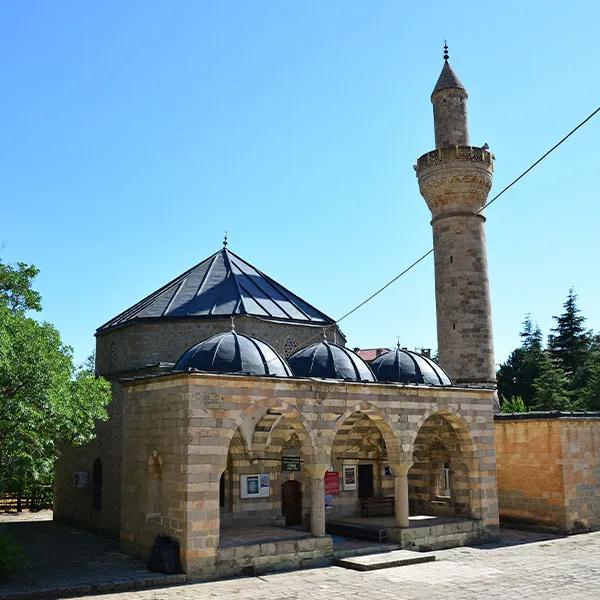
270, 476
444, 464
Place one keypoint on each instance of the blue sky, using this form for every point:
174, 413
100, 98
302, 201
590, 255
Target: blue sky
134, 134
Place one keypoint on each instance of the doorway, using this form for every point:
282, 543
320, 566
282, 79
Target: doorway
291, 502
365, 481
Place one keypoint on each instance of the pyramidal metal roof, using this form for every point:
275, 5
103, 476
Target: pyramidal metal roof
222, 285
448, 79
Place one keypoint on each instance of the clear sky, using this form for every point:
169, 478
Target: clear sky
135, 133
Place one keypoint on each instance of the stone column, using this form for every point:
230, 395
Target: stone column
401, 494
317, 500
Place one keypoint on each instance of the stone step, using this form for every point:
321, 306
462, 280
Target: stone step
371, 562
365, 550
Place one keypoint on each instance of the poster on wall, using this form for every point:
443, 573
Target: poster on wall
332, 483
349, 477
255, 486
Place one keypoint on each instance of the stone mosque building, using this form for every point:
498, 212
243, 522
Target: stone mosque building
244, 428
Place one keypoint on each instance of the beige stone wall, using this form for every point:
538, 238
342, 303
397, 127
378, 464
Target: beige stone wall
530, 474
580, 439
191, 420
549, 472
148, 342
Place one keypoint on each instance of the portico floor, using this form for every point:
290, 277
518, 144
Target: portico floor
425, 531
259, 534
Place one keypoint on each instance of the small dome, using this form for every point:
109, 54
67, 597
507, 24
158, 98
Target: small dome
404, 366
330, 361
236, 353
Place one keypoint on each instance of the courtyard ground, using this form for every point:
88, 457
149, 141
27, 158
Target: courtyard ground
522, 565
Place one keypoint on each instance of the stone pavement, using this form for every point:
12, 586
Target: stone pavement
544, 569
64, 558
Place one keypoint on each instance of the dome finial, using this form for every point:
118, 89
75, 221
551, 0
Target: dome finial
398, 342
225, 239
324, 334
232, 323
446, 55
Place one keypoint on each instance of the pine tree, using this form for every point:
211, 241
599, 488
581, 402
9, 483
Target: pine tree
569, 341
550, 387
516, 376
588, 384
531, 335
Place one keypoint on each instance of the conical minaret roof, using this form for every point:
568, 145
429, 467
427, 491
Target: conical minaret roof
448, 79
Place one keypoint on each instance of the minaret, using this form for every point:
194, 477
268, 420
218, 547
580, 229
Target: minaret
455, 180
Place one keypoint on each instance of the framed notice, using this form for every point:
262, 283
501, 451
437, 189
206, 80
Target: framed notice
255, 486
349, 477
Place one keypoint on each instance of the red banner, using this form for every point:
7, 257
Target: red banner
332, 483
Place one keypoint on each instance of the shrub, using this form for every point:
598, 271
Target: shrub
12, 557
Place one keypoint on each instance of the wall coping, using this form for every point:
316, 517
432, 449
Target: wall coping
295, 382
546, 414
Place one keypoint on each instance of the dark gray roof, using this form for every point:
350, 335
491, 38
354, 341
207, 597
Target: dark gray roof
330, 361
448, 79
403, 366
220, 286
236, 353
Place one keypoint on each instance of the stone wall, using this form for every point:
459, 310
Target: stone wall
580, 439
549, 471
190, 421
74, 505
530, 476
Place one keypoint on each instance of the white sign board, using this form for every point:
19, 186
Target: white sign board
349, 477
255, 486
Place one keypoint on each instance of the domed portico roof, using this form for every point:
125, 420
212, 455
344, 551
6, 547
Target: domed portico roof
234, 353
403, 366
330, 361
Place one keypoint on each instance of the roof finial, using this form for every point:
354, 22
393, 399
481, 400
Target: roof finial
398, 343
232, 323
225, 239
324, 334
446, 55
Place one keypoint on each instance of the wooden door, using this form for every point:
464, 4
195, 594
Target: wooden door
365, 481
291, 502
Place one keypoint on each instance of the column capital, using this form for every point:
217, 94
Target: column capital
316, 471
401, 469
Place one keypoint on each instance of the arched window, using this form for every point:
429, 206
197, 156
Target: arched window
97, 485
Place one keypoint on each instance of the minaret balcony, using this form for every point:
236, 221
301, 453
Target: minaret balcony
455, 154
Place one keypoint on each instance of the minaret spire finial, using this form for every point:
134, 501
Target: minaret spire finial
446, 55
225, 239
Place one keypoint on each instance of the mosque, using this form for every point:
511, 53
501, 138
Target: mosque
243, 427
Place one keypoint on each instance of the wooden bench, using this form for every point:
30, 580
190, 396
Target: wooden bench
377, 506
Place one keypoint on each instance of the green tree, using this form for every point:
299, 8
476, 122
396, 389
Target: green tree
569, 342
514, 404
550, 387
516, 376
587, 383
44, 399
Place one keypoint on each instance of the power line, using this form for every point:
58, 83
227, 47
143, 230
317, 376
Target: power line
430, 251
530, 168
